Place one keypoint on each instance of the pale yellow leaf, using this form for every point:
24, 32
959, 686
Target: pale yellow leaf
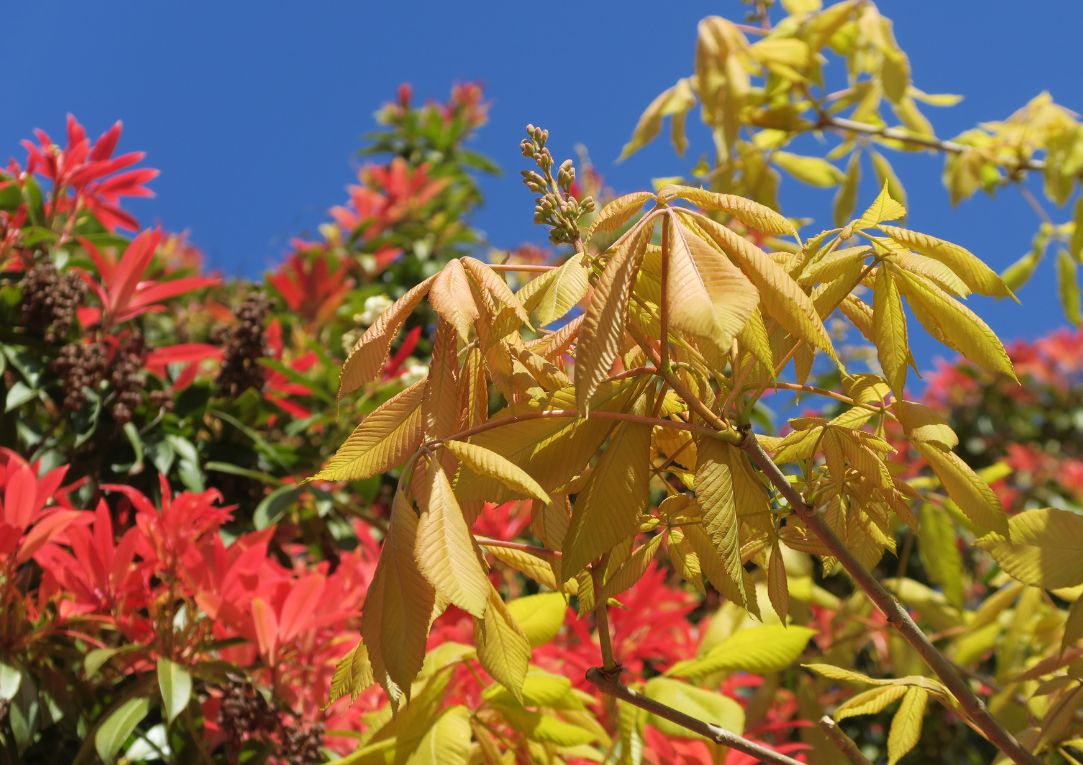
542, 571
618, 212
1046, 548
445, 551
700, 703
870, 702
607, 509
889, 330
923, 424
633, 568
370, 351
762, 649
814, 171
780, 296
603, 326
446, 741
494, 284
971, 269
489, 463
970, 492
906, 724
715, 495
670, 102
551, 295
453, 300
353, 674
503, 649
754, 215
706, 295
540, 616
883, 208
383, 440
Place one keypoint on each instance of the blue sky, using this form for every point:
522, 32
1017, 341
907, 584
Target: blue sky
253, 117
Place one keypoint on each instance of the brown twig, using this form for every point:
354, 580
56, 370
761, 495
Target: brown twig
610, 684
844, 743
897, 616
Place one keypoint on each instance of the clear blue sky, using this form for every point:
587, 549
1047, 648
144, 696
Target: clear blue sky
253, 115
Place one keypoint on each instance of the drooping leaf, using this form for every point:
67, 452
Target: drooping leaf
632, 570
603, 326
175, 683
954, 324
398, 607
715, 495
889, 330
383, 439
607, 510
706, 295
489, 463
445, 551
453, 300
811, 170
924, 425
769, 648
939, 554
1068, 288
353, 674
1046, 548
118, 726
369, 353
503, 648
671, 102
846, 196
906, 724
490, 281
966, 488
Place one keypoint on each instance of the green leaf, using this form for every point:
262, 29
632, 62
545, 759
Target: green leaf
939, 553
540, 689
1046, 548
353, 674
503, 649
115, 729
540, 616
546, 729
715, 495
769, 648
447, 741
889, 330
175, 683
811, 170
10, 680
708, 706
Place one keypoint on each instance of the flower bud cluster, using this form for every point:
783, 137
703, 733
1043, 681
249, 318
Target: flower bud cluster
556, 207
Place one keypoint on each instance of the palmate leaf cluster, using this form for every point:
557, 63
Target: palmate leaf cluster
626, 423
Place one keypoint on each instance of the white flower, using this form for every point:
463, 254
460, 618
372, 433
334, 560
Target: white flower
374, 306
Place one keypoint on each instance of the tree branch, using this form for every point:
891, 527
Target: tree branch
844, 743
844, 125
609, 683
896, 615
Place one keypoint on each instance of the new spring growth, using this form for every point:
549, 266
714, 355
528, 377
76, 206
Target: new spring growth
556, 207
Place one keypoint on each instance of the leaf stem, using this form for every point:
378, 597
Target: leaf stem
521, 546
601, 615
897, 616
608, 682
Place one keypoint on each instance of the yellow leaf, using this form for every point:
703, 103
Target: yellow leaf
618, 212
503, 649
398, 606
1046, 548
494, 284
741, 591
540, 616
384, 439
1068, 288
488, 463
799, 7
445, 550
603, 326
954, 324
778, 586
752, 214
700, 703
453, 300
846, 197
706, 295
966, 488
670, 102
906, 724
889, 330
607, 509
786, 51
939, 553
811, 170
370, 351
1073, 626
883, 208
780, 296
715, 495
446, 741
633, 568
974, 273
353, 674
440, 406
542, 571
870, 702
1019, 272
555, 292
768, 648
885, 176
924, 425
